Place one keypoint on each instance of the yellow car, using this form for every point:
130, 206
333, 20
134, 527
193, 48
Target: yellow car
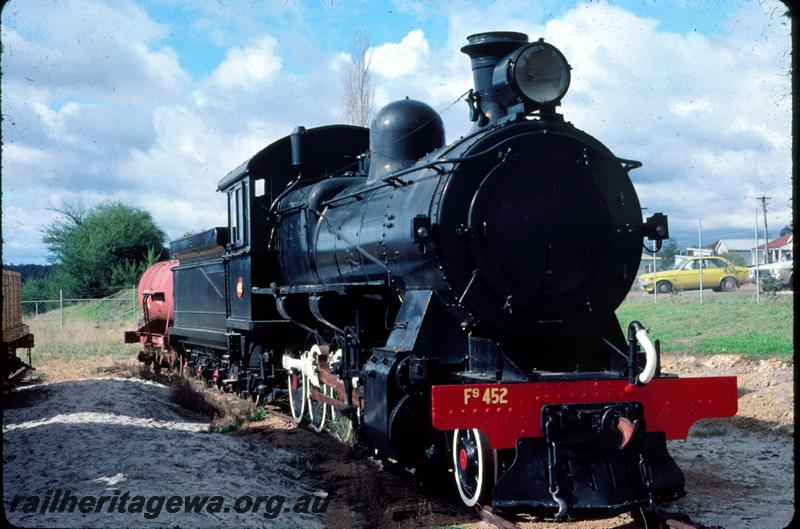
719, 274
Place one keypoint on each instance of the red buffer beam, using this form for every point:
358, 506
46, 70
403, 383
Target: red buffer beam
506, 412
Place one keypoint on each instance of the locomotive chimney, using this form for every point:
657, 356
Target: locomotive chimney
484, 50
296, 141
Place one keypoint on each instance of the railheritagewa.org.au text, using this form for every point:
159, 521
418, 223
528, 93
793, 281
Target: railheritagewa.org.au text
63, 501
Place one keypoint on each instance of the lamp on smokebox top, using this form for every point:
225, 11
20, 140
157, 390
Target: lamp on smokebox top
537, 74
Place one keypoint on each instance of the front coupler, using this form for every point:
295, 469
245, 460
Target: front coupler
593, 457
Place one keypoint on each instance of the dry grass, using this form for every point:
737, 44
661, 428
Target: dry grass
227, 410
81, 350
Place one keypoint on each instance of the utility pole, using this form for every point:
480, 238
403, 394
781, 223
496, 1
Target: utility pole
763, 200
655, 279
758, 294
655, 276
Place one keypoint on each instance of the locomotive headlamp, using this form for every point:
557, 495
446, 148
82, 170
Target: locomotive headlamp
537, 73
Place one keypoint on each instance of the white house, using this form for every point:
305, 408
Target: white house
696, 252
646, 264
742, 249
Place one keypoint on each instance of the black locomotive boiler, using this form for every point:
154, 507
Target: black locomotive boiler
452, 303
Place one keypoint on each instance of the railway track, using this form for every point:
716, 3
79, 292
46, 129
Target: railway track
641, 518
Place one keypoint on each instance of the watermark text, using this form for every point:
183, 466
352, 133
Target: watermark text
60, 501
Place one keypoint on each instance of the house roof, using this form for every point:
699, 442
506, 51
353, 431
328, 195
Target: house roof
781, 241
736, 245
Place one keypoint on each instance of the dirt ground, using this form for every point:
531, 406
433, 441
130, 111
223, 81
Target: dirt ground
739, 471
94, 437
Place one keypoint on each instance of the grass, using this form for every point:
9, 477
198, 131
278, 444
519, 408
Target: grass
92, 338
78, 350
258, 414
228, 412
724, 323
116, 307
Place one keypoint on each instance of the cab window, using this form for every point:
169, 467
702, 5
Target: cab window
237, 215
260, 188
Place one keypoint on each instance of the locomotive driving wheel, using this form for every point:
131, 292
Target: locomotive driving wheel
318, 410
298, 387
473, 466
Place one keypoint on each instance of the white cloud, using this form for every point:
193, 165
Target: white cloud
391, 60
114, 69
691, 108
97, 108
686, 106
249, 67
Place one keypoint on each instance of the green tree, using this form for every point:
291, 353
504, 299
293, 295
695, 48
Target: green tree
100, 250
49, 286
667, 254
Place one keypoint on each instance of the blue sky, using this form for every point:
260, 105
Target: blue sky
390, 21
152, 102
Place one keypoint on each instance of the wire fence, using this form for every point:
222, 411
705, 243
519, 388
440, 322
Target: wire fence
745, 293
121, 307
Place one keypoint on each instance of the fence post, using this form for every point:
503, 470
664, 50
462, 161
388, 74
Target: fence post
36, 313
61, 306
655, 278
700, 244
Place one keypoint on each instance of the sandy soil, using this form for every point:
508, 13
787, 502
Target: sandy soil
92, 437
739, 471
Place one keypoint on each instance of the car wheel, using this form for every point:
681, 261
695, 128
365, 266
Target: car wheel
664, 287
728, 284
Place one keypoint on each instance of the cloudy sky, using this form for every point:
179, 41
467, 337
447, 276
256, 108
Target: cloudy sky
151, 103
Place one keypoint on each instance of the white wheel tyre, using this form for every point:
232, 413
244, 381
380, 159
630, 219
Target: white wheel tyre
296, 383
473, 466
317, 410
332, 408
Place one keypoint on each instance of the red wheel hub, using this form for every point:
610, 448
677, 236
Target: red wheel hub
462, 459
294, 382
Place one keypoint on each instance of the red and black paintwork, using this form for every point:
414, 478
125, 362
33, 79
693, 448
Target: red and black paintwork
493, 263
568, 432
671, 404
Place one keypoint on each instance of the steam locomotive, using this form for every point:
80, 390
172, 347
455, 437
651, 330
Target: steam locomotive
452, 304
